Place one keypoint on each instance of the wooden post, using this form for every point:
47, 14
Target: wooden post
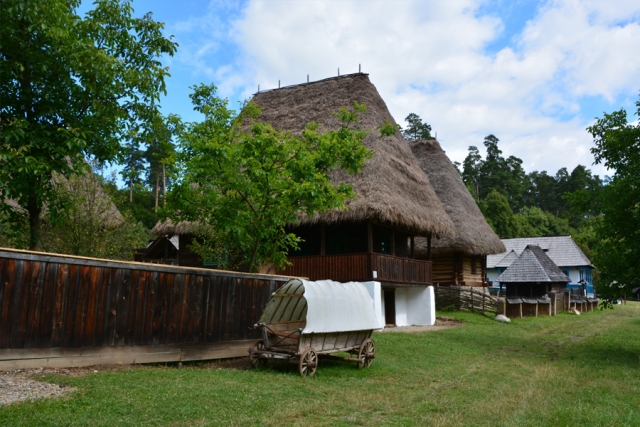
323, 246
429, 247
520, 305
413, 254
369, 237
552, 303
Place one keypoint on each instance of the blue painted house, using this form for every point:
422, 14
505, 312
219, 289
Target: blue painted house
562, 250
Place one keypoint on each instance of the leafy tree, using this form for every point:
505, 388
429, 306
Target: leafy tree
471, 171
242, 181
72, 87
161, 157
134, 164
499, 215
617, 146
416, 129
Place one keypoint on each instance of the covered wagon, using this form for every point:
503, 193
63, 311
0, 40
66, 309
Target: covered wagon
305, 321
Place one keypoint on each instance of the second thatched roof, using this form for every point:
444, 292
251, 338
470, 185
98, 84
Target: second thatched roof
391, 188
474, 235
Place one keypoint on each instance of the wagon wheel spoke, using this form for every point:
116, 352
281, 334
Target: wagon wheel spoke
308, 363
254, 358
367, 353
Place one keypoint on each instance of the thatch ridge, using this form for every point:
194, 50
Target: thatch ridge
168, 228
474, 235
391, 188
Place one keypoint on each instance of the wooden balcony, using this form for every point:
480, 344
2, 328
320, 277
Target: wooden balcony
360, 267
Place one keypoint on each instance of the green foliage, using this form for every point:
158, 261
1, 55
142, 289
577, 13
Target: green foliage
529, 222
416, 129
617, 146
91, 226
72, 87
243, 182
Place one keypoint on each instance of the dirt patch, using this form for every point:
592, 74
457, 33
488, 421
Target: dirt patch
441, 323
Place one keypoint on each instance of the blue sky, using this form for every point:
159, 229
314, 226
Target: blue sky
535, 74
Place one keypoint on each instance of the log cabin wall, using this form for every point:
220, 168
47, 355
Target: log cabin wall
443, 269
459, 269
60, 311
472, 270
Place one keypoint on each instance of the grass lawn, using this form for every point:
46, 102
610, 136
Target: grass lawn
556, 371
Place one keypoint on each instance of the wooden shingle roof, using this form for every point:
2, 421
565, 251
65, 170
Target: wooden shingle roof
562, 250
533, 266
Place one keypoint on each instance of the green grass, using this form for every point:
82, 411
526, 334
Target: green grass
553, 371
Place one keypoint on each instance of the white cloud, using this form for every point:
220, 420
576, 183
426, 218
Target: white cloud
430, 58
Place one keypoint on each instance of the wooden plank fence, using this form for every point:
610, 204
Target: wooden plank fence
465, 298
62, 311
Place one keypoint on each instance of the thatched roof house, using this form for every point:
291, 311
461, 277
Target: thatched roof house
474, 235
88, 195
391, 188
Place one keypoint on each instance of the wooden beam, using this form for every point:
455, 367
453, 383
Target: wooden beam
323, 245
11, 359
429, 247
369, 237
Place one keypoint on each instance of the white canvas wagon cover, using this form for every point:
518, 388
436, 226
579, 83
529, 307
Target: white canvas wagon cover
327, 306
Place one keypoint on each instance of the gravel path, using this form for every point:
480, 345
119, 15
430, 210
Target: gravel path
15, 386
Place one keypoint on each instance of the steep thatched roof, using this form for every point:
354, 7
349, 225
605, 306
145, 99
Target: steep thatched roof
391, 188
475, 236
90, 197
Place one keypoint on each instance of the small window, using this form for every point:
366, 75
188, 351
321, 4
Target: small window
474, 268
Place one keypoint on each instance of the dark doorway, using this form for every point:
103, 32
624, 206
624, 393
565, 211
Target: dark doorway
390, 306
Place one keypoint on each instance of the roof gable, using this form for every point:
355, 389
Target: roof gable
507, 260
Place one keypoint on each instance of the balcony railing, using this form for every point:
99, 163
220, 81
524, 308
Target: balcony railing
361, 267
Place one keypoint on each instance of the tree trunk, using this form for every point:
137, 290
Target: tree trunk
157, 187
130, 189
253, 254
164, 186
34, 223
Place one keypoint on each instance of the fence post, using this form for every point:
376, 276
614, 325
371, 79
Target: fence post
552, 303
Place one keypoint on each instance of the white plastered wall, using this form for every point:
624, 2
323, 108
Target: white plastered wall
401, 307
414, 306
421, 306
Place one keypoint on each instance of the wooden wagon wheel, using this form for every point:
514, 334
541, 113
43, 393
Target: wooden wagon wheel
308, 363
367, 353
254, 358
